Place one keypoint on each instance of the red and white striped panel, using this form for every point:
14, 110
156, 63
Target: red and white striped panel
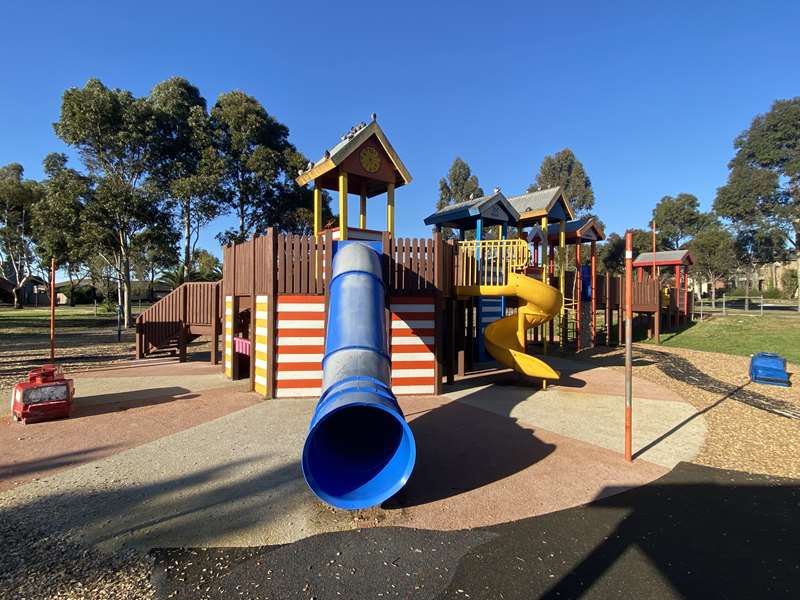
413, 360
300, 343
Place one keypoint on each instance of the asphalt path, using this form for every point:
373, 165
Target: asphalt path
696, 532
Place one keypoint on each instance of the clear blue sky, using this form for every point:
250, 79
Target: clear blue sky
649, 97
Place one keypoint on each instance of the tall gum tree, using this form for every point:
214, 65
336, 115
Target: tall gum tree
57, 220
565, 170
114, 134
763, 187
459, 185
259, 166
187, 169
18, 198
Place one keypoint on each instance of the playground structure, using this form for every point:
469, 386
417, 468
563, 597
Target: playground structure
425, 310
436, 322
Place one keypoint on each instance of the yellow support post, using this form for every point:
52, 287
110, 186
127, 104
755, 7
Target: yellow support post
317, 208
342, 205
362, 212
562, 267
390, 208
545, 273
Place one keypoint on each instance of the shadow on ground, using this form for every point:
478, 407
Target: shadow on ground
680, 369
89, 406
697, 532
461, 448
56, 461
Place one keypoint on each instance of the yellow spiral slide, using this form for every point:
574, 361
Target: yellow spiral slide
505, 338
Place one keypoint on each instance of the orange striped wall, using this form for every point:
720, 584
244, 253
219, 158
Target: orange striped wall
300, 341
412, 345
300, 345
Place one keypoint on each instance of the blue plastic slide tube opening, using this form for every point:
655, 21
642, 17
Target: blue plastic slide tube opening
359, 450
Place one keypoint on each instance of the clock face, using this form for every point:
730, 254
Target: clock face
370, 159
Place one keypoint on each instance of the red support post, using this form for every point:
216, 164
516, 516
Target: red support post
578, 289
628, 343
594, 293
677, 318
685, 295
639, 274
52, 310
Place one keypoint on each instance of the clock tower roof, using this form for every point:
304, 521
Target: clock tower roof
368, 158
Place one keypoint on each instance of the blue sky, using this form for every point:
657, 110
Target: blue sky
649, 97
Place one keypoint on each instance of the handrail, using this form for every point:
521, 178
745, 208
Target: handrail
488, 262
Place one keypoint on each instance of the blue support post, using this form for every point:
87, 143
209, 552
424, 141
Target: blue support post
481, 349
503, 236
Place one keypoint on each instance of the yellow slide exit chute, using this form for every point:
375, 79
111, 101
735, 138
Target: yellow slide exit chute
505, 338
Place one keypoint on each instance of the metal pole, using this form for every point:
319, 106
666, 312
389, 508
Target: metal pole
761, 305
724, 312
628, 343
52, 309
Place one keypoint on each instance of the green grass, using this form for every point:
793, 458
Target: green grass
37, 320
741, 335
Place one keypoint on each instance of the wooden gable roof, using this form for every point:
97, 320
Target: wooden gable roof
550, 202
344, 156
493, 208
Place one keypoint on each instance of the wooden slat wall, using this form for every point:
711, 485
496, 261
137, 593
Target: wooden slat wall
227, 271
243, 271
200, 302
300, 262
412, 267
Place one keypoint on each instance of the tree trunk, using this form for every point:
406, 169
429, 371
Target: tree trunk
17, 299
126, 288
713, 293
797, 272
187, 240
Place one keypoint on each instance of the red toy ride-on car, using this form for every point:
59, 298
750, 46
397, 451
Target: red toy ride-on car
46, 395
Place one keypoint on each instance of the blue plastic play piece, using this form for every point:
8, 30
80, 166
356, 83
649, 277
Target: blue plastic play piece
586, 283
769, 368
359, 450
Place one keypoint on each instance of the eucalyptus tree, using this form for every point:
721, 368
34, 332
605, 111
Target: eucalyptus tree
565, 170
460, 184
187, 168
115, 136
762, 193
57, 220
18, 197
260, 165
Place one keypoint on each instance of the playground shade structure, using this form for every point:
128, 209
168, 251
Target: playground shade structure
505, 338
359, 450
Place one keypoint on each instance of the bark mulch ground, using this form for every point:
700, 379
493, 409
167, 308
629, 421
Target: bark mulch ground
751, 427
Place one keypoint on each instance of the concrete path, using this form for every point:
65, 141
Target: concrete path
116, 409
665, 432
236, 481
588, 404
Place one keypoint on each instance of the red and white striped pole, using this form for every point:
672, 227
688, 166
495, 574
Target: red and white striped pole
628, 343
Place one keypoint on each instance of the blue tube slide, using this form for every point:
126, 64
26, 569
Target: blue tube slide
359, 450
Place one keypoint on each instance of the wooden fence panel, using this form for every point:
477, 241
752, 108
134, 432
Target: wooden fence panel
243, 270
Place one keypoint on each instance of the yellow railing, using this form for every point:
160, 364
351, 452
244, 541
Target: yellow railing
488, 262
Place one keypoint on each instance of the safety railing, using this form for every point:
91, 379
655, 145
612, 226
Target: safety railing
488, 262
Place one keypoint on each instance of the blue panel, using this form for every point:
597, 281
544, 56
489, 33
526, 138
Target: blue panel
769, 368
586, 282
